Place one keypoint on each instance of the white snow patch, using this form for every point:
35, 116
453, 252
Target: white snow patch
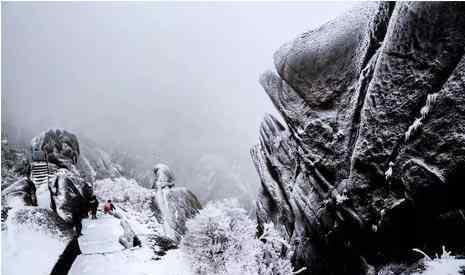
102, 233
43, 196
448, 266
29, 250
131, 262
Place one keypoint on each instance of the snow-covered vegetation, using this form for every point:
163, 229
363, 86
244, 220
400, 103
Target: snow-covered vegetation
14, 163
135, 200
221, 239
122, 190
444, 264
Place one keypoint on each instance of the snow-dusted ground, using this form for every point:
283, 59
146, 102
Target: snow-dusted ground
29, 248
131, 262
101, 235
43, 196
20, 247
447, 266
102, 254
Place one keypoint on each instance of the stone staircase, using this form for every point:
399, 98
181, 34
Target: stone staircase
42, 172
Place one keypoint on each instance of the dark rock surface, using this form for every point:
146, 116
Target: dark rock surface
95, 163
20, 193
70, 192
160, 245
70, 195
182, 205
369, 161
175, 204
57, 146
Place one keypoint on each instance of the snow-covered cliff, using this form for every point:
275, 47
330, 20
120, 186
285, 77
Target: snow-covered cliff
369, 160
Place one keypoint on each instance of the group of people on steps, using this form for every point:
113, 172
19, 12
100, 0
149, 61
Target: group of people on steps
108, 208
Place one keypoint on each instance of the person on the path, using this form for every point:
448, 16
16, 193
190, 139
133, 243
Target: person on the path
93, 203
108, 207
77, 223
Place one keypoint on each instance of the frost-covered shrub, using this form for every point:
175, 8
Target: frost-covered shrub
441, 264
136, 201
221, 240
15, 164
122, 190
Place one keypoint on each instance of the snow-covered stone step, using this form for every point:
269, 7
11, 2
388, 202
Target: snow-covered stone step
41, 169
39, 182
40, 176
42, 172
101, 235
102, 256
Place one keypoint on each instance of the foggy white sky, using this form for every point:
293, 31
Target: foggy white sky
173, 79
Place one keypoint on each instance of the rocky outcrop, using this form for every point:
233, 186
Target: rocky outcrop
70, 195
95, 163
63, 199
176, 204
368, 162
129, 238
20, 193
163, 176
69, 191
161, 244
56, 146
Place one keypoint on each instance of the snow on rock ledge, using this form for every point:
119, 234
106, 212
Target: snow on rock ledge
33, 241
20, 193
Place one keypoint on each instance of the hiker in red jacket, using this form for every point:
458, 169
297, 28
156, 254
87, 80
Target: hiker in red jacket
108, 207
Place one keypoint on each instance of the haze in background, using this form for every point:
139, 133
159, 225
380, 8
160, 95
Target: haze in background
169, 82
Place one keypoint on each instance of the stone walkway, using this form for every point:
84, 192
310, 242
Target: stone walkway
103, 255
100, 235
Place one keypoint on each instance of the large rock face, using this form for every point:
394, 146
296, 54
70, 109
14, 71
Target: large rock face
95, 163
57, 146
70, 195
49, 230
368, 164
20, 193
69, 191
176, 204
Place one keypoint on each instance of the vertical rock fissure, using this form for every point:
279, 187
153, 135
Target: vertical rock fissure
369, 64
363, 84
425, 111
